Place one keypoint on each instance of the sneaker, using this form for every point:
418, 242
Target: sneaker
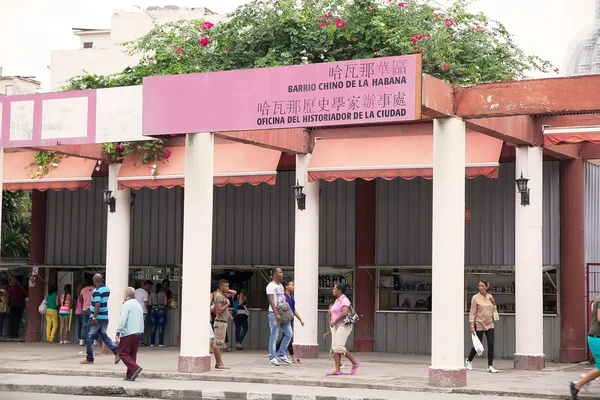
492, 370
81, 342
284, 359
62, 342
274, 362
469, 365
574, 391
161, 345
96, 343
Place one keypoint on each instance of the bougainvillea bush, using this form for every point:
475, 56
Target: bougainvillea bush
457, 45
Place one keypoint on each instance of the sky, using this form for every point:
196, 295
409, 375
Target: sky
31, 29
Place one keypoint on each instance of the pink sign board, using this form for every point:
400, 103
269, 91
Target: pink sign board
48, 119
370, 91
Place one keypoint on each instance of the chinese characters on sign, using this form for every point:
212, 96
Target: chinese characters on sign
328, 94
361, 91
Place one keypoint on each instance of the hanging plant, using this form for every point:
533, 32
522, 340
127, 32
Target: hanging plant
150, 152
44, 160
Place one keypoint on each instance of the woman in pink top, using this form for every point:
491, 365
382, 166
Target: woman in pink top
340, 331
79, 310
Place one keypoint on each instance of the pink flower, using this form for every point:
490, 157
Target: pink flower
373, 8
436, 16
322, 24
449, 22
166, 154
446, 66
452, 36
340, 24
556, 70
206, 25
403, 4
414, 40
180, 51
204, 41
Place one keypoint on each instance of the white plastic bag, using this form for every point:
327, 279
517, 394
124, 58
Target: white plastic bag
477, 344
43, 307
211, 333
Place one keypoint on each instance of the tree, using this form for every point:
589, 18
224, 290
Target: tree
457, 46
16, 224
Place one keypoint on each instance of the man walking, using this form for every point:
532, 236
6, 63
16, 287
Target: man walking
277, 305
129, 334
99, 321
594, 346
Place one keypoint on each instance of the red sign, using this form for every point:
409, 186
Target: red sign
328, 94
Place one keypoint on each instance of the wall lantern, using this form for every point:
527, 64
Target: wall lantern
522, 187
109, 200
299, 196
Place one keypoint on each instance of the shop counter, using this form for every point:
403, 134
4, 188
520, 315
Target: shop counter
409, 332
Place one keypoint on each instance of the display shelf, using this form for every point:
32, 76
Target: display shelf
403, 289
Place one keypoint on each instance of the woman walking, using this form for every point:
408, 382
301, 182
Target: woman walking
158, 315
65, 313
481, 321
340, 331
51, 314
289, 297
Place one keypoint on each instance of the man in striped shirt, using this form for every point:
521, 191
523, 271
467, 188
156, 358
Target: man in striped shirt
99, 321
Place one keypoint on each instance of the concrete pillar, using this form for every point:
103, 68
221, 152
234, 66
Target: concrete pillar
364, 278
572, 262
37, 287
529, 311
197, 257
447, 317
118, 228
306, 264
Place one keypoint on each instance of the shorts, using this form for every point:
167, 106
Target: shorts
594, 344
220, 329
64, 315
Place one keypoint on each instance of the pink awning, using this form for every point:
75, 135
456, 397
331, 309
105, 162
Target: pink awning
234, 163
19, 169
406, 156
572, 135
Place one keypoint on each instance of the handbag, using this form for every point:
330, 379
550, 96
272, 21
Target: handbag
43, 307
351, 317
477, 344
496, 315
242, 312
285, 312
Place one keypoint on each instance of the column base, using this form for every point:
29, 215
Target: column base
364, 345
447, 378
573, 355
530, 362
33, 336
306, 351
193, 365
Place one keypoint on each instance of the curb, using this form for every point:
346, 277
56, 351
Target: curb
171, 394
166, 394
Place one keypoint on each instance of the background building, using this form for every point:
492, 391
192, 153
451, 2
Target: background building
585, 58
10, 85
100, 51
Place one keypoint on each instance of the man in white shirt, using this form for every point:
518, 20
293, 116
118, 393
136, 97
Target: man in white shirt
276, 295
142, 295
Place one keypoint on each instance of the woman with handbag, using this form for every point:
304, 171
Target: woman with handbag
341, 327
481, 321
289, 297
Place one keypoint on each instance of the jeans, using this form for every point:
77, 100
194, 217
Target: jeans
79, 326
100, 329
290, 346
241, 328
274, 326
489, 335
15, 316
2, 318
159, 318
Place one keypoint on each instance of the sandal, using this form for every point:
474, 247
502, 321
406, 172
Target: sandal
354, 368
333, 373
297, 361
221, 367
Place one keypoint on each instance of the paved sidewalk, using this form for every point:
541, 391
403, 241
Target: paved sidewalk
378, 371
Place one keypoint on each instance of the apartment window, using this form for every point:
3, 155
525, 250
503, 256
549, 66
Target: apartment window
88, 45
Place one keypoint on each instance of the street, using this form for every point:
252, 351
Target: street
412, 396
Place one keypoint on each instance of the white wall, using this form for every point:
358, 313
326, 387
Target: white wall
19, 86
107, 56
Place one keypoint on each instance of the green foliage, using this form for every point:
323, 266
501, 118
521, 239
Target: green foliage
148, 152
16, 217
44, 161
457, 46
